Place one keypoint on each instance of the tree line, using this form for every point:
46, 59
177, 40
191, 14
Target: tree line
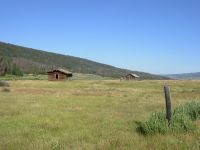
8, 67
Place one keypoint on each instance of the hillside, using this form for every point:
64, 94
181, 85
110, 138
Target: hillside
189, 76
37, 61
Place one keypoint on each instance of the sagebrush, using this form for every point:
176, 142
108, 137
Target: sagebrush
182, 118
3, 83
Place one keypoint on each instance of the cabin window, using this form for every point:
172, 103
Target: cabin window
56, 76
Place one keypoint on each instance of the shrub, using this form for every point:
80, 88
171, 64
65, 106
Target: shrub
190, 109
181, 120
156, 124
3, 83
181, 123
5, 90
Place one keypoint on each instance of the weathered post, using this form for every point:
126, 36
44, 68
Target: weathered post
168, 103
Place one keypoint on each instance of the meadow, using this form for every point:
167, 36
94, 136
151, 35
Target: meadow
90, 114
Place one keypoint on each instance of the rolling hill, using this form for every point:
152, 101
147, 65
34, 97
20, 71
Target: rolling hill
185, 76
37, 61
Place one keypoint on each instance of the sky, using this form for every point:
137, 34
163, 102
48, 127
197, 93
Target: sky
155, 36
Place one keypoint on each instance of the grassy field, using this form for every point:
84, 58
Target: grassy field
76, 76
92, 114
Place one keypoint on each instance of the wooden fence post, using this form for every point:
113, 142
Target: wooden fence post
168, 103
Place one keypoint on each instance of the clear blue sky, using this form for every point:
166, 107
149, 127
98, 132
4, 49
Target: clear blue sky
156, 36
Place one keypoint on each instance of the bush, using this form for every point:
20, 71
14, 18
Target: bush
190, 109
6, 90
181, 123
3, 83
181, 120
156, 124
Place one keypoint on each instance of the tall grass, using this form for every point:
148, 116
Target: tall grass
190, 109
89, 114
181, 121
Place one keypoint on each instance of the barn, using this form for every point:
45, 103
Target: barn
131, 76
59, 75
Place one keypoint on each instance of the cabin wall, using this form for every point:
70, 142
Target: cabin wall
61, 76
51, 77
57, 76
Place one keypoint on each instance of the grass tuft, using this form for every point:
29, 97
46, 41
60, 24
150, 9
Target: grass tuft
5, 90
190, 109
181, 120
3, 83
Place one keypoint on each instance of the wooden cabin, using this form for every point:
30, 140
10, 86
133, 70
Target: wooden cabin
131, 76
59, 75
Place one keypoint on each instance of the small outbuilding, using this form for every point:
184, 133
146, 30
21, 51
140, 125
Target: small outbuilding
131, 76
59, 75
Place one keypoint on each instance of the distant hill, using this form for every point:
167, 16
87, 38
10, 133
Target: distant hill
189, 76
37, 61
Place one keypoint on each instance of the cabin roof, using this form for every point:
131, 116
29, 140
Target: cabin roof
60, 70
134, 75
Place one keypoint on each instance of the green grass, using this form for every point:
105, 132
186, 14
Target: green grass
90, 114
192, 110
24, 77
181, 121
80, 76
76, 76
